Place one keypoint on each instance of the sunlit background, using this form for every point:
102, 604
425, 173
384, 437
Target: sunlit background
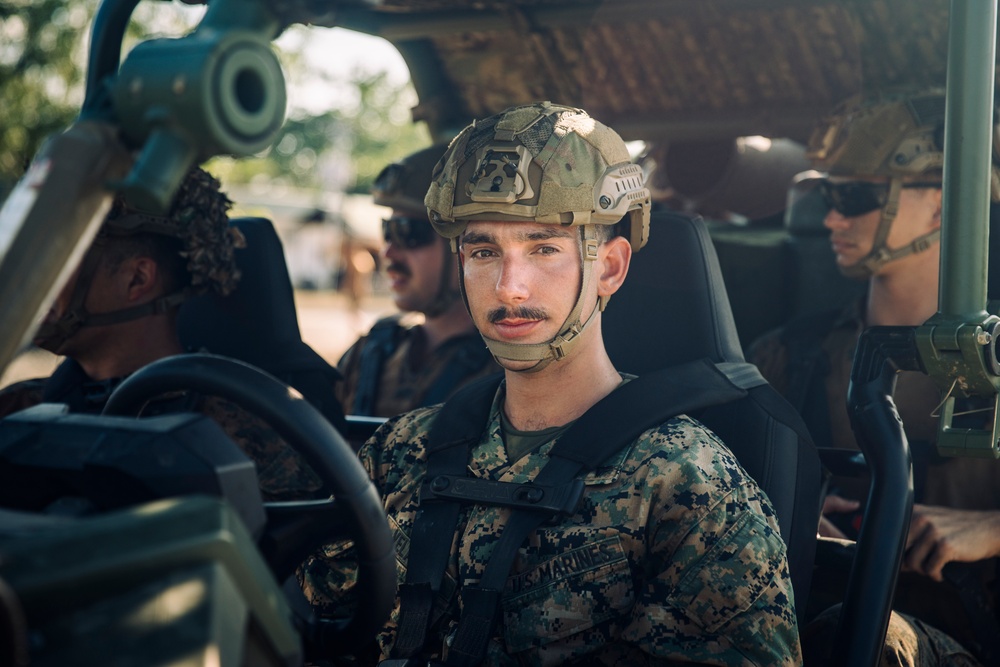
349, 100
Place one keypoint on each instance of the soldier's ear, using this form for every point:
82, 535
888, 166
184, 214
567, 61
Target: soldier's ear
143, 275
613, 257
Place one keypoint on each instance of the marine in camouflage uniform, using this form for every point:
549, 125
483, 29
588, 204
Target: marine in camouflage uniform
884, 158
408, 361
192, 248
673, 554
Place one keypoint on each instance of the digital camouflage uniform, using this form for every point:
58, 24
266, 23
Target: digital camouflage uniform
282, 474
673, 556
411, 372
961, 483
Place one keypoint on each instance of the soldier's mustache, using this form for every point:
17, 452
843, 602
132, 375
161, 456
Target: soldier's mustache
399, 268
519, 313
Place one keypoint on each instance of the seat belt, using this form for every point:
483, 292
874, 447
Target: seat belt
455, 430
609, 425
379, 346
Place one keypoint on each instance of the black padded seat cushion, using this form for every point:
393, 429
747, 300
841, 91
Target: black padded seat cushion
257, 322
673, 308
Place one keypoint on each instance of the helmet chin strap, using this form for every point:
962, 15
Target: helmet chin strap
52, 335
880, 254
569, 334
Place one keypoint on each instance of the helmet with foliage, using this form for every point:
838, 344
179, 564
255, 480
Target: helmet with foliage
541, 163
899, 135
196, 230
401, 186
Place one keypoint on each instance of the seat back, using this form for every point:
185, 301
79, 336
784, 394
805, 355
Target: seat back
257, 323
673, 308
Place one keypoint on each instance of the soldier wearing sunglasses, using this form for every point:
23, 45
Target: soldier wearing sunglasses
883, 159
422, 355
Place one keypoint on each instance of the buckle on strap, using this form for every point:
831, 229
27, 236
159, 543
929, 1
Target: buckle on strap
560, 499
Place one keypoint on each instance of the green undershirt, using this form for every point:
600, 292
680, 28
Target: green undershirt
518, 443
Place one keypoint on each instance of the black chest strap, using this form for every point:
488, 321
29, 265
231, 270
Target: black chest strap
605, 428
379, 346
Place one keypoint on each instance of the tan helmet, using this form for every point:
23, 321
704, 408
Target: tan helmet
197, 219
897, 134
541, 163
891, 134
401, 186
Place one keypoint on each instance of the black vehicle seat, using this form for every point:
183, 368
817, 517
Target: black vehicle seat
257, 324
673, 308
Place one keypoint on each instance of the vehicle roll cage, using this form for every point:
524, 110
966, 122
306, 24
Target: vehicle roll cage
957, 347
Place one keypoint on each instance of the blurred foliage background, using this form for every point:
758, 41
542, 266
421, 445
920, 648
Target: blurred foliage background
43, 51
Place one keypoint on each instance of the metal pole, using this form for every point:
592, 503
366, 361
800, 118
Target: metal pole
968, 136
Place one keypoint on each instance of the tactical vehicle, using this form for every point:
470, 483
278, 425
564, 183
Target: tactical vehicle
145, 541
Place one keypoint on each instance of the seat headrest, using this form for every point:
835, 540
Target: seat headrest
257, 322
673, 305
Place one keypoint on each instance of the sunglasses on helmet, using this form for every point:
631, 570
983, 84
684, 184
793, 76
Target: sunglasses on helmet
854, 198
408, 232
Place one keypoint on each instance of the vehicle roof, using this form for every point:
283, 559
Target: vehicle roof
658, 69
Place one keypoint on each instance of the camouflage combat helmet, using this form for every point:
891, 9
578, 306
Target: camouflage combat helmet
895, 135
401, 186
197, 219
541, 163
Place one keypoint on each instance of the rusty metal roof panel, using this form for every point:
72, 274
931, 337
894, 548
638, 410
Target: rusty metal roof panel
664, 68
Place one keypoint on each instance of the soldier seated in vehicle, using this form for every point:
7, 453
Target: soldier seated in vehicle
402, 364
118, 312
884, 158
672, 555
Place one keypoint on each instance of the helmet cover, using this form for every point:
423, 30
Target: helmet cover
403, 184
198, 218
543, 163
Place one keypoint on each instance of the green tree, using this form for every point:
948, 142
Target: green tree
43, 51
40, 75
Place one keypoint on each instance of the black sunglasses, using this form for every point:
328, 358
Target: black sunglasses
408, 232
854, 198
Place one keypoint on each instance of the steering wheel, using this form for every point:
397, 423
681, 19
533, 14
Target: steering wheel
356, 503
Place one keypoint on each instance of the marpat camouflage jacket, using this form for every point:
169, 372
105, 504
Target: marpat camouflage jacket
673, 556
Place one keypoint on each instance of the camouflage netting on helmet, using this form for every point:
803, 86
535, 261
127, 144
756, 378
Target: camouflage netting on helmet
198, 218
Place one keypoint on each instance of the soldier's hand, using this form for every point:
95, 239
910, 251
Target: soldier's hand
939, 535
834, 504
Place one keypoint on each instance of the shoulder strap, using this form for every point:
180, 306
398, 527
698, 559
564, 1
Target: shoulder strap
458, 425
605, 428
649, 400
379, 346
